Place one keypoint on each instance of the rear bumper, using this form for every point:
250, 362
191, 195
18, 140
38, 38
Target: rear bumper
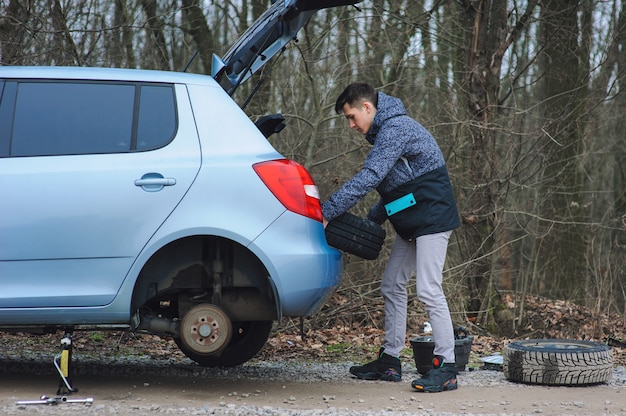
304, 269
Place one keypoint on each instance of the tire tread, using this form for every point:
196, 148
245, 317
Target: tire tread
578, 363
355, 235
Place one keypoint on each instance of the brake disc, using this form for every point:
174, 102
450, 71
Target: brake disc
206, 329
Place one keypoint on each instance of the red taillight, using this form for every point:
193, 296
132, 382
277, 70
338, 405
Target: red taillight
292, 185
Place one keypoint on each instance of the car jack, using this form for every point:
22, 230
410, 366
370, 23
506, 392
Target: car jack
62, 362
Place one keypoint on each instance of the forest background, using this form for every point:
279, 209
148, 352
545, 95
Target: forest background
523, 96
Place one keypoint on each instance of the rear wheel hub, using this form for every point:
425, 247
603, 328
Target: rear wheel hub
206, 329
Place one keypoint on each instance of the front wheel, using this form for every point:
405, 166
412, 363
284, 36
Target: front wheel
247, 339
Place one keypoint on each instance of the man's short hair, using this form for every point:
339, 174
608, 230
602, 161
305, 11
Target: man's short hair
355, 95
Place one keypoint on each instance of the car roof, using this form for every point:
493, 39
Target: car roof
105, 74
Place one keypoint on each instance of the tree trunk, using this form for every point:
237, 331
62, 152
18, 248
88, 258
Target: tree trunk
618, 240
563, 105
66, 49
483, 237
13, 31
200, 32
477, 200
155, 29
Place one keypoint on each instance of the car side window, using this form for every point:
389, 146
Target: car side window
157, 117
5, 120
70, 118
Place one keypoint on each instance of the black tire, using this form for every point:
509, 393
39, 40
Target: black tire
247, 340
356, 236
558, 362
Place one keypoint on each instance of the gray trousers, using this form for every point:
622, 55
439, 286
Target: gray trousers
426, 256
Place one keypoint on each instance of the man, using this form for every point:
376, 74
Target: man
406, 167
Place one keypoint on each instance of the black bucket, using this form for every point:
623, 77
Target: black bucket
423, 348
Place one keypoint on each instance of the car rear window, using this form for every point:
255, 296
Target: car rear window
67, 118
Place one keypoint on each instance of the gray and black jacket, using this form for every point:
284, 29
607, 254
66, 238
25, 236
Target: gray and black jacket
404, 159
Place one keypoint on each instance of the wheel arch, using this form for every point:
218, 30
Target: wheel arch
204, 267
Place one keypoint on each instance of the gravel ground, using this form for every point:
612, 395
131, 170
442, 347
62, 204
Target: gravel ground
292, 373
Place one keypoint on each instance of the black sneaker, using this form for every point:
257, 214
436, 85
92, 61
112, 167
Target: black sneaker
442, 377
385, 367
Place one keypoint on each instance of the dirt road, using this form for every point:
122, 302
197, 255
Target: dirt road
144, 375
232, 393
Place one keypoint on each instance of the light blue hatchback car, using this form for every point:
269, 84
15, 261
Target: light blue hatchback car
148, 201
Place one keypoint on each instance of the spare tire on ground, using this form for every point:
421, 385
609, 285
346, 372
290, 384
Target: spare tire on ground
355, 235
558, 362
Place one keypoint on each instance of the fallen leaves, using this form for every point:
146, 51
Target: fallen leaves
343, 340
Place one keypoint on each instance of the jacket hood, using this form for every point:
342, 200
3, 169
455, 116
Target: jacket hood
388, 107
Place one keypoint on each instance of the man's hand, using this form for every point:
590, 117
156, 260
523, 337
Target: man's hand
324, 221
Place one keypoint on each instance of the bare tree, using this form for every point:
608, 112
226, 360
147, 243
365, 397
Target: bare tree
524, 97
199, 29
13, 30
485, 35
157, 47
563, 99
121, 47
